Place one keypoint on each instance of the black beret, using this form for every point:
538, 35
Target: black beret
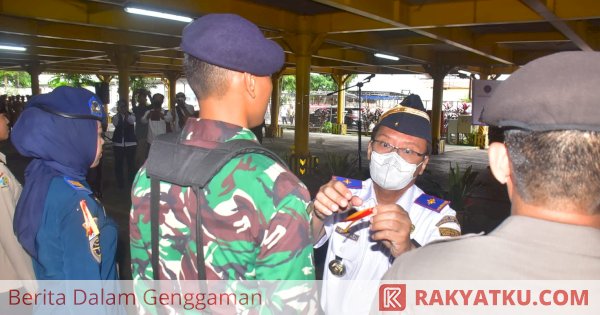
409, 118
232, 42
70, 102
556, 92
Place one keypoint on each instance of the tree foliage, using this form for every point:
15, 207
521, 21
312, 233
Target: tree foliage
15, 79
139, 82
288, 83
320, 82
71, 79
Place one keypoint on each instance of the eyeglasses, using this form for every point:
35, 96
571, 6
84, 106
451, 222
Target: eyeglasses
408, 154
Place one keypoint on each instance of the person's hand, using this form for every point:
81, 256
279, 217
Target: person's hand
391, 225
334, 197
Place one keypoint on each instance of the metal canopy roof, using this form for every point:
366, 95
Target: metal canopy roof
488, 36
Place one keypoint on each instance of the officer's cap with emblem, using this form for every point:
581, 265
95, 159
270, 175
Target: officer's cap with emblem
70, 102
232, 42
409, 118
556, 92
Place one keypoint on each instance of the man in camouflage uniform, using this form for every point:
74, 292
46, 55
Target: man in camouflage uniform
254, 215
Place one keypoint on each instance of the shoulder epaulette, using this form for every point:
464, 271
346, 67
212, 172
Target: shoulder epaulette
349, 182
432, 203
77, 185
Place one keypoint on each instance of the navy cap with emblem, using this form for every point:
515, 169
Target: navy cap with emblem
409, 118
556, 92
232, 42
70, 102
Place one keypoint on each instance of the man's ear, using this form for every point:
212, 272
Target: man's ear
499, 162
250, 83
424, 165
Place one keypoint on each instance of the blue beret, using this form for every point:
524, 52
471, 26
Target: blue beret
232, 42
409, 118
70, 102
556, 92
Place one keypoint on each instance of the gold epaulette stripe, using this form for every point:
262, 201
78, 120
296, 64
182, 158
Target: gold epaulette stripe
404, 109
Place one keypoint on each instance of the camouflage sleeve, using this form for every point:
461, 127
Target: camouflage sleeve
139, 222
286, 250
266, 206
284, 243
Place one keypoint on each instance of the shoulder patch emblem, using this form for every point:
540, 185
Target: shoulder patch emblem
95, 248
3, 180
349, 182
444, 231
448, 219
77, 185
431, 202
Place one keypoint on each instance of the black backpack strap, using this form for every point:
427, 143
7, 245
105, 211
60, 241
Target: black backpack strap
187, 166
154, 211
194, 167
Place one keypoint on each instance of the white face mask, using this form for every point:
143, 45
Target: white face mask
390, 171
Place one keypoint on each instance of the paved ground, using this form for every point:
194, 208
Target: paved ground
487, 204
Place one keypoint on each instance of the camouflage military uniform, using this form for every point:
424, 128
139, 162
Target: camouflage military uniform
253, 211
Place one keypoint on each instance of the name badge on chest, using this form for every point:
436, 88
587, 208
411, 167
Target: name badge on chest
345, 233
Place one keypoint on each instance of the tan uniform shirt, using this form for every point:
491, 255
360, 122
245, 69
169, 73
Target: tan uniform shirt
15, 263
520, 248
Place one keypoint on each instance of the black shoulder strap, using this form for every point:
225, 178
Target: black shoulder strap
186, 165
190, 166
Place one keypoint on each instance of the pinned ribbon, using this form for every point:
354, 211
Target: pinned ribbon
90, 226
359, 215
356, 216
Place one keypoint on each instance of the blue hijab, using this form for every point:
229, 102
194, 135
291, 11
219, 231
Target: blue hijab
59, 131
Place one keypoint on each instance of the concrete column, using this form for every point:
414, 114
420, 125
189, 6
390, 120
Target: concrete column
340, 80
302, 102
34, 69
438, 72
102, 90
274, 131
124, 57
303, 44
172, 77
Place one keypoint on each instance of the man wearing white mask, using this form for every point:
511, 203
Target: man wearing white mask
402, 216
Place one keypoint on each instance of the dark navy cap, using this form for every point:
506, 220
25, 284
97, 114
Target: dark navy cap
556, 92
70, 102
232, 42
409, 118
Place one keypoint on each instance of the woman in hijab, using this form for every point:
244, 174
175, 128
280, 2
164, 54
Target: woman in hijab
58, 220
